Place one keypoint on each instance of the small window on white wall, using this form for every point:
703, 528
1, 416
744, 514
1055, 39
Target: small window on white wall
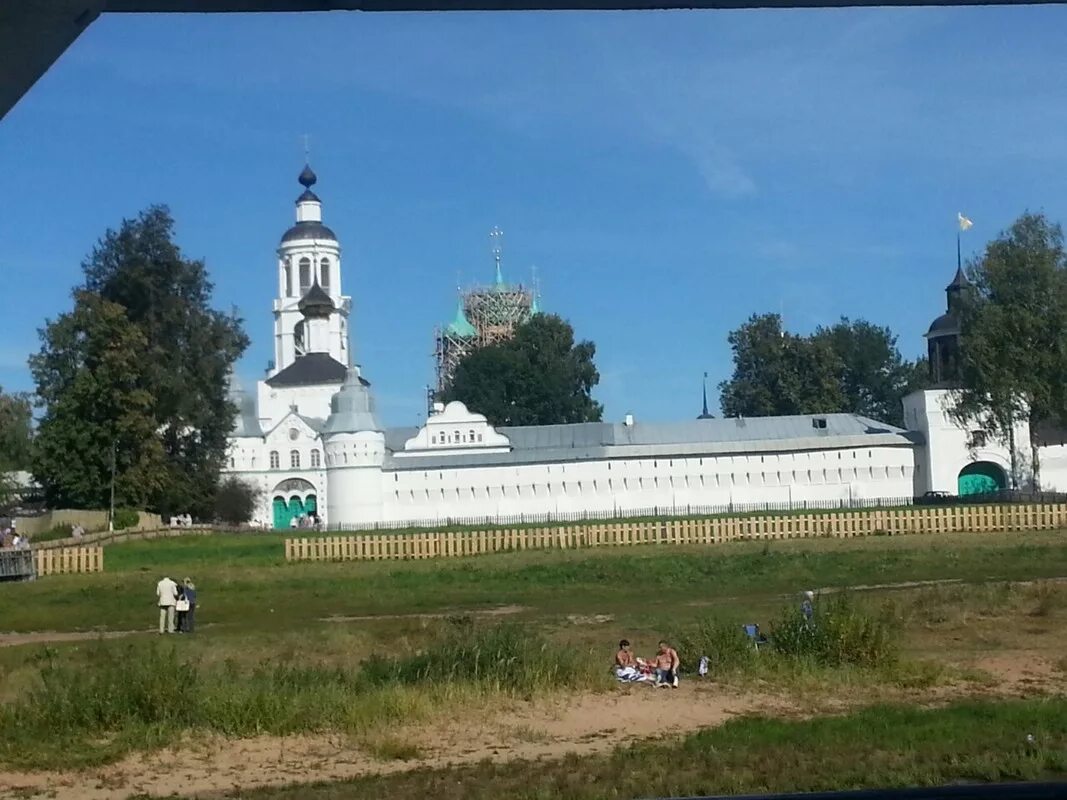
305, 275
275, 459
324, 273
316, 458
294, 459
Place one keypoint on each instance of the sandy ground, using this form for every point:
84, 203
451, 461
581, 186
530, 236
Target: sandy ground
544, 729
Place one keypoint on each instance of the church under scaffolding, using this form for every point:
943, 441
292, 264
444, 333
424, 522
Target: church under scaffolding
484, 315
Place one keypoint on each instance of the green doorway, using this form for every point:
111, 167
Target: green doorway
981, 477
296, 508
281, 513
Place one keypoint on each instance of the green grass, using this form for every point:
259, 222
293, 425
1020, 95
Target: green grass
885, 747
122, 698
244, 581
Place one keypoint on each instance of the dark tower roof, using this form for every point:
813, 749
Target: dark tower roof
958, 282
308, 229
316, 303
945, 325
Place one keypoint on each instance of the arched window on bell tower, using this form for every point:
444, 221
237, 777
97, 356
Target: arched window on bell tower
299, 338
324, 274
305, 275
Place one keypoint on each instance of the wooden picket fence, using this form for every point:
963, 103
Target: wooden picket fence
68, 560
715, 530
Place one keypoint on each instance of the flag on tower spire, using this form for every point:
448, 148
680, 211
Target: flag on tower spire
965, 224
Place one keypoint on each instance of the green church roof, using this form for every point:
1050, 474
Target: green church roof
461, 326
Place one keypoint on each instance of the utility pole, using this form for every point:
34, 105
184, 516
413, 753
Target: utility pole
111, 513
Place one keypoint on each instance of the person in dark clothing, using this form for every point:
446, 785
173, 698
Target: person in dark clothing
187, 618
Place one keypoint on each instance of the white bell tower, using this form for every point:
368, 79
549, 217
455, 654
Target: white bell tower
309, 254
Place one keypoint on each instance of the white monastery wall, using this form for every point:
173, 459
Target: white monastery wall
622, 484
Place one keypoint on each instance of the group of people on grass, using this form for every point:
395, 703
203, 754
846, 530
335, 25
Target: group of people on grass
661, 670
177, 606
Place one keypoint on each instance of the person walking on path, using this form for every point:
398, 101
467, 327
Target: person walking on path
167, 598
188, 617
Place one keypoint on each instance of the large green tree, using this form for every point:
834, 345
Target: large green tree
538, 377
16, 441
874, 377
778, 373
92, 380
183, 355
16, 431
852, 366
1013, 342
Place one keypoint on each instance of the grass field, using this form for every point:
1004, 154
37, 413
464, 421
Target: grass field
388, 655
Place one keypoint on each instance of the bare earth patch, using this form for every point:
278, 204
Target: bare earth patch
57, 637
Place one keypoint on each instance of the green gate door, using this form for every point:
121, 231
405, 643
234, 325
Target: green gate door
281, 513
980, 477
296, 508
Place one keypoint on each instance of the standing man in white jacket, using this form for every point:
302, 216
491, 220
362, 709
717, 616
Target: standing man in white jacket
167, 596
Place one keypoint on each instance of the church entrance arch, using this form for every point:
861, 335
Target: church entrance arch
981, 477
292, 499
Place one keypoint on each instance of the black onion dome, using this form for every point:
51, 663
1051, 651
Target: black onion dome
309, 229
307, 177
308, 197
316, 303
944, 325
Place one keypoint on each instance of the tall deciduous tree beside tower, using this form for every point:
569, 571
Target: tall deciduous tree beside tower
1013, 336
165, 368
538, 377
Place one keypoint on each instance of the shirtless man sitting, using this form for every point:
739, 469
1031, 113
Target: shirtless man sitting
626, 663
666, 663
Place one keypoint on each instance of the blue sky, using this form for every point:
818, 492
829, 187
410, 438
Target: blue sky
667, 173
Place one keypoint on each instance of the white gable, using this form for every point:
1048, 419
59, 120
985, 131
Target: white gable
291, 428
454, 429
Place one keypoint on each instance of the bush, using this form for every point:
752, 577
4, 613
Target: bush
235, 501
505, 658
125, 518
840, 633
60, 531
725, 644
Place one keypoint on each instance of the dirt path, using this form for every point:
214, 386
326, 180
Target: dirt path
549, 728
54, 637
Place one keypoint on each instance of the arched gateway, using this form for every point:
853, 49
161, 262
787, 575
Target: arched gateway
981, 477
293, 498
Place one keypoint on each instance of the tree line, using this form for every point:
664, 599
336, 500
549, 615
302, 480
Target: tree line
134, 376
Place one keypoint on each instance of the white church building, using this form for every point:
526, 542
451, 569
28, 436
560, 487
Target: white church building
310, 441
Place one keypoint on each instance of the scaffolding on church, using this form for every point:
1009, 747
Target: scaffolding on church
484, 315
